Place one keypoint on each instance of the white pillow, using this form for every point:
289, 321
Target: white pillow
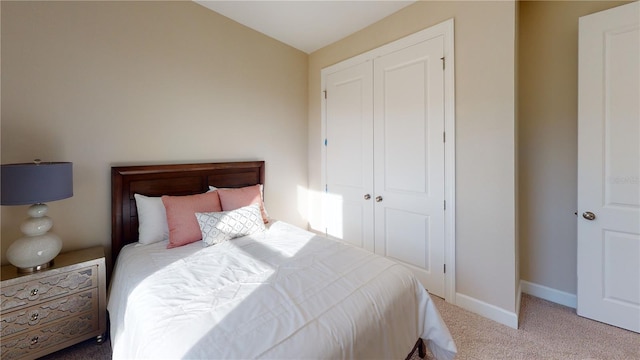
152, 219
217, 227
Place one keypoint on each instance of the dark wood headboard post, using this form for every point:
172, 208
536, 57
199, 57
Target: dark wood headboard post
175, 179
116, 213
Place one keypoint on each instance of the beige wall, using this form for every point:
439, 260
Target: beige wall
102, 83
548, 143
485, 133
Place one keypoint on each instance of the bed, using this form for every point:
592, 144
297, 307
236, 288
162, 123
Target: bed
281, 292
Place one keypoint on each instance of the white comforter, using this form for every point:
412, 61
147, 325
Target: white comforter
284, 293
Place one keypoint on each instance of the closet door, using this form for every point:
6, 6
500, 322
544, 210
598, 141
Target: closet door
409, 159
349, 155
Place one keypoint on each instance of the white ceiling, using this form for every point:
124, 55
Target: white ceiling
306, 25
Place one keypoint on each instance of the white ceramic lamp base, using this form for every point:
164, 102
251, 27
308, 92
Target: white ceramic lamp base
38, 248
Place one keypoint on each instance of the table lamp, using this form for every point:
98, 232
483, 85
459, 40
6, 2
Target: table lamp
35, 183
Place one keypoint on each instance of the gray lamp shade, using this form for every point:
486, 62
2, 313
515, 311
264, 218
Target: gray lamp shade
31, 183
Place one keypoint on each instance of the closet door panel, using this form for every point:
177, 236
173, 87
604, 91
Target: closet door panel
405, 236
403, 127
409, 159
349, 155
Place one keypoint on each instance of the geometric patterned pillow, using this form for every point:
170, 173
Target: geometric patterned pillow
217, 227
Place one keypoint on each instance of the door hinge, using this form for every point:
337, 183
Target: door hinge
445, 268
443, 61
444, 137
325, 142
325, 94
445, 205
326, 188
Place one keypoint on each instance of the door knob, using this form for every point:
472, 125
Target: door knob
589, 215
367, 196
378, 198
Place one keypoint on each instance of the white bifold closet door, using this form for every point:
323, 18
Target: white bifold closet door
385, 158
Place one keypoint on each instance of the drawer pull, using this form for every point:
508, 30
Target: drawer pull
34, 292
34, 316
34, 340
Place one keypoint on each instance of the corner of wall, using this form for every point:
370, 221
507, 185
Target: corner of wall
549, 294
487, 310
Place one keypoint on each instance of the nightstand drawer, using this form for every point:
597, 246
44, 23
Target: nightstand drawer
56, 333
25, 294
22, 320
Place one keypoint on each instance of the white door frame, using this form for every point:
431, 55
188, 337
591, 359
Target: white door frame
446, 30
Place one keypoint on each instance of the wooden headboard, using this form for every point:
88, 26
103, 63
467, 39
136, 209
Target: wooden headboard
177, 179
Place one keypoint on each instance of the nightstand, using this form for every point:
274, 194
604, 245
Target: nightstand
46, 311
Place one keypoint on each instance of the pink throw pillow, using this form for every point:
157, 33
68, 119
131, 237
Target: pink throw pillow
232, 199
181, 216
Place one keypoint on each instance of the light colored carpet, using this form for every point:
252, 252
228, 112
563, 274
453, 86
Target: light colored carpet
547, 331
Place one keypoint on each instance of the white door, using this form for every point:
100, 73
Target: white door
609, 167
409, 159
349, 155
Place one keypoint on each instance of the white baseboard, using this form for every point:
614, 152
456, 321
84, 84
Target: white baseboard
518, 301
549, 294
489, 311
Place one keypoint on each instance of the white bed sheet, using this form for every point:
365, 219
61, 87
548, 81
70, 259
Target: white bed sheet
283, 293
